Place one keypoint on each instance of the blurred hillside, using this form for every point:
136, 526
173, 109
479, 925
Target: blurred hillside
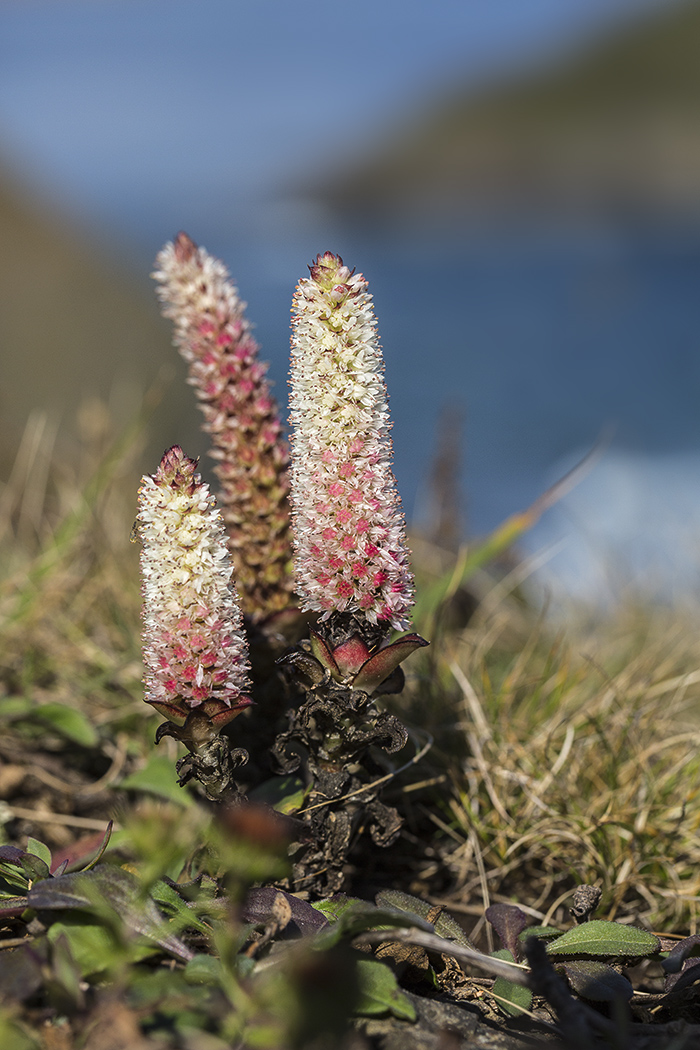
75, 325
613, 128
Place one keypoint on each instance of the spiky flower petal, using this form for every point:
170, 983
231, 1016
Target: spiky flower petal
214, 337
195, 652
349, 532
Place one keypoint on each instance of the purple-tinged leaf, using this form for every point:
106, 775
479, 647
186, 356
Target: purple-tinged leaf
391, 685
114, 888
32, 867
22, 971
323, 654
100, 852
689, 946
170, 711
509, 922
11, 854
12, 907
259, 903
350, 656
76, 854
303, 664
384, 662
596, 981
222, 715
688, 975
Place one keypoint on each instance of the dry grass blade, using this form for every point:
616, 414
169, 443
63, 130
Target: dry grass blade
580, 769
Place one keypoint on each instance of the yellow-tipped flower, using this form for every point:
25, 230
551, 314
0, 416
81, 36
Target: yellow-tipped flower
194, 648
349, 530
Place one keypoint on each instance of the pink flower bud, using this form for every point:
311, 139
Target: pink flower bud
340, 423
189, 602
241, 416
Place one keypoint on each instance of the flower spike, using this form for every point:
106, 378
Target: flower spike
214, 337
195, 652
349, 530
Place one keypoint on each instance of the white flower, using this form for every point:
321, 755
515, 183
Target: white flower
349, 531
194, 648
215, 338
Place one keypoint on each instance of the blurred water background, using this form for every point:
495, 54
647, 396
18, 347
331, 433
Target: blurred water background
520, 183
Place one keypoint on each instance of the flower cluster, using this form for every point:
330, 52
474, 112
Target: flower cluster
349, 532
194, 648
241, 416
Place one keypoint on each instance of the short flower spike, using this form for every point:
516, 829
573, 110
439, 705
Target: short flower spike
195, 652
214, 336
349, 530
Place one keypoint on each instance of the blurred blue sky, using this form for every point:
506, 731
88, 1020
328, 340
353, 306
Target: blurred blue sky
146, 114
142, 117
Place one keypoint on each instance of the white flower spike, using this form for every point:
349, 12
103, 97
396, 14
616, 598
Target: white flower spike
348, 526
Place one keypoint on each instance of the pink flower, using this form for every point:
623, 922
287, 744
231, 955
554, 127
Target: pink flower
189, 602
241, 416
340, 423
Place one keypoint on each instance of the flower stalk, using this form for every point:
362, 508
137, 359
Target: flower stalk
241, 416
351, 567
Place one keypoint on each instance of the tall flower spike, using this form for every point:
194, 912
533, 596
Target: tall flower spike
241, 416
194, 649
349, 532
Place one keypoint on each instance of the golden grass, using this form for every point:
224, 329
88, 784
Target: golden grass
573, 757
69, 594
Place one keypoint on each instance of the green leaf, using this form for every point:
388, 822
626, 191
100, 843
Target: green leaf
543, 933
511, 999
10, 904
172, 904
445, 926
13, 707
361, 917
12, 1035
158, 777
64, 986
379, 992
285, 794
204, 969
101, 850
601, 938
39, 849
69, 722
597, 981
334, 907
93, 946
111, 896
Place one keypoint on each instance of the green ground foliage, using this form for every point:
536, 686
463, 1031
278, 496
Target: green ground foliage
543, 755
